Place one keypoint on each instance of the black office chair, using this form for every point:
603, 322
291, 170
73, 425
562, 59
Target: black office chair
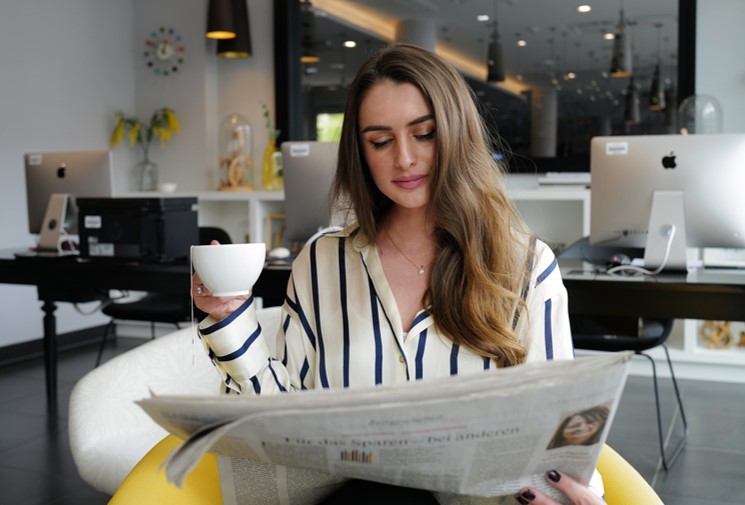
652, 333
172, 308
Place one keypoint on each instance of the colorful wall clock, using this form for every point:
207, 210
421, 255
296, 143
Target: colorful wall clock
164, 51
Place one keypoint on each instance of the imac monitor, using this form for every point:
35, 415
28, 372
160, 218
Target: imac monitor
308, 170
664, 193
53, 180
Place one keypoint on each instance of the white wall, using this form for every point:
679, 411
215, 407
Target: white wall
67, 66
720, 66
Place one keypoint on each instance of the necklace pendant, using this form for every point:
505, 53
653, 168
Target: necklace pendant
421, 270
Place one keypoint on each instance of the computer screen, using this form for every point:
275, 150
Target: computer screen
79, 174
668, 192
308, 170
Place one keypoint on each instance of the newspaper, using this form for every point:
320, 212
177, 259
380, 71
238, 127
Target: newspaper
483, 435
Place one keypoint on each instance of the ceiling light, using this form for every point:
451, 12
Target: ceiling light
220, 20
584, 8
350, 43
240, 45
609, 36
620, 65
522, 43
494, 58
482, 18
657, 92
631, 114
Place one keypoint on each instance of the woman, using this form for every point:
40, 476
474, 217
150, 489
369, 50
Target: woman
438, 275
582, 428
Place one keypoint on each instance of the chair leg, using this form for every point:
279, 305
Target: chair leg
152, 330
667, 461
108, 328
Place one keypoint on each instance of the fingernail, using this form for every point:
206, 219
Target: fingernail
553, 475
521, 500
528, 495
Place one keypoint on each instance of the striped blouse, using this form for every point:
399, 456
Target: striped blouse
340, 327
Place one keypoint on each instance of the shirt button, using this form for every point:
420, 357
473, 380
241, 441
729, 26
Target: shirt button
401, 359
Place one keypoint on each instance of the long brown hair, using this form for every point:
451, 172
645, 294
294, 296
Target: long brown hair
479, 270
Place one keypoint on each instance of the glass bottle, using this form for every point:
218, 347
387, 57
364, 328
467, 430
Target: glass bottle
235, 154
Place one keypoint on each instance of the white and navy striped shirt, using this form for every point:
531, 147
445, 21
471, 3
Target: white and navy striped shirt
341, 327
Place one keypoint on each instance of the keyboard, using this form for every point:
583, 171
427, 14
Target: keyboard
565, 178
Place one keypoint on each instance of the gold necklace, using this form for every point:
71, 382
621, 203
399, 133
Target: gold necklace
419, 269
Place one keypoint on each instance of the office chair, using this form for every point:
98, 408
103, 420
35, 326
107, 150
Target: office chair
172, 308
652, 333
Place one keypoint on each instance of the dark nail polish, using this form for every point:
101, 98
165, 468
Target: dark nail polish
528, 495
521, 500
553, 475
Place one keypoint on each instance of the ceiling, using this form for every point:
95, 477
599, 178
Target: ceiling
557, 39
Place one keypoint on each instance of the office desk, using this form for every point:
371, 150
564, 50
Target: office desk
69, 279
700, 294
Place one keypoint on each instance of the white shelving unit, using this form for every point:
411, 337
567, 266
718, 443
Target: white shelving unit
558, 215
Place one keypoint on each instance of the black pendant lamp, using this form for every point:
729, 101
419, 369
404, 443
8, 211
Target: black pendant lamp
657, 92
220, 20
240, 46
631, 113
620, 65
671, 110
494, 59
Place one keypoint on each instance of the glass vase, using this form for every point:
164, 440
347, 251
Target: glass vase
235, 154
147, 174
271, 180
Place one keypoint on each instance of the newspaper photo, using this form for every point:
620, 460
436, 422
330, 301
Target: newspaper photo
480, 436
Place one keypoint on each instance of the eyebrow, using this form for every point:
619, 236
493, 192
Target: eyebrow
420, 119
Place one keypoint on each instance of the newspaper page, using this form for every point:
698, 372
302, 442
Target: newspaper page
481, 436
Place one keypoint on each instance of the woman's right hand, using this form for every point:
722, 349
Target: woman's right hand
219, 307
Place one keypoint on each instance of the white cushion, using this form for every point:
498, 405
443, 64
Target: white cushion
108, 432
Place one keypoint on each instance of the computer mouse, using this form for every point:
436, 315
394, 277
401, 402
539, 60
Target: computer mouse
617, 260
279, 253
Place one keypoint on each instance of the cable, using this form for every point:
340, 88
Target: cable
644, 271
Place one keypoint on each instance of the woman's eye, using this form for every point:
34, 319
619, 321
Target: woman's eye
426, 136
379, 144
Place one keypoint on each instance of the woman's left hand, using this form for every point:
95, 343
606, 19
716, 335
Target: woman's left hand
576, 492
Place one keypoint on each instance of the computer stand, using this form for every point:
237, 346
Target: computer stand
54, 234
666, 222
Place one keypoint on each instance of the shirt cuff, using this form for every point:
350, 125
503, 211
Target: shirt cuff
236, 342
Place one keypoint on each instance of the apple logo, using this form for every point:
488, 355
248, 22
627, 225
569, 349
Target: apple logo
61, 171
669, 161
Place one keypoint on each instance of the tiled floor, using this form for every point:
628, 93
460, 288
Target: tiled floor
36, 466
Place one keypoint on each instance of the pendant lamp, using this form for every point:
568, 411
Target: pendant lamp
620, 65
671, 109
494, 59
220, 20
631, 114
657, 92
240, 45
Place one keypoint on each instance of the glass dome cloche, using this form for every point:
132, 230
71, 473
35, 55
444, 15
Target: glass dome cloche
700, 114
236, 162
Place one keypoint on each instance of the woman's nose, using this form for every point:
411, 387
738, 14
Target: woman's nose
406, 153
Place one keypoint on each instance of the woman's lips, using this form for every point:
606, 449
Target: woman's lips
411, 182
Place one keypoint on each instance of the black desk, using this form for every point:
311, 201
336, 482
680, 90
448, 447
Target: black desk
717, 294
700, 294
69, 279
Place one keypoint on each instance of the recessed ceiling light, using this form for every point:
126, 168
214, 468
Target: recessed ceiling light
522, 43
482, 17
350, 43
609, 36
584, 8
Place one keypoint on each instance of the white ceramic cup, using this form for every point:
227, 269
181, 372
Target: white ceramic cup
229, 269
